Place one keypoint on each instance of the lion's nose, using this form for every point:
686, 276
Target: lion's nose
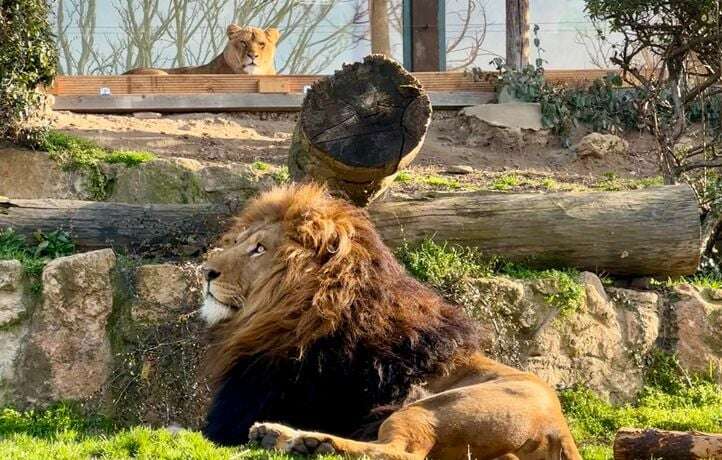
252, 55
211, 274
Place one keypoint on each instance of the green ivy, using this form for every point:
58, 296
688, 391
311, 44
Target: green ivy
28, 58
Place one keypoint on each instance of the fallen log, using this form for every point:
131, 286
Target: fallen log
359, 127
645, 232
634, 444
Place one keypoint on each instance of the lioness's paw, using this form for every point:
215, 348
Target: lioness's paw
271, 436
310, 444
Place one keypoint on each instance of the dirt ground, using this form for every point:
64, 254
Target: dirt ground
248, 137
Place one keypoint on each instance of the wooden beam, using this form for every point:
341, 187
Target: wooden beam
517, 33
633, 444
230, 102
655, 231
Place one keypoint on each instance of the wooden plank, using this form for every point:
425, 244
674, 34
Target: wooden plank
274, 86
230, 102
211, 84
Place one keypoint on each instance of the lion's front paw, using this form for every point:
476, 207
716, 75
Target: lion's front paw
310, 444
271, 436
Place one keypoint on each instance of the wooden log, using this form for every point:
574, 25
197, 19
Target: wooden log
635, 444
645, 232
359, 127
517, 33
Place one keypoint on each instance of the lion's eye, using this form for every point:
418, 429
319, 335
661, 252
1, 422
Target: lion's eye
262, 45
258, 250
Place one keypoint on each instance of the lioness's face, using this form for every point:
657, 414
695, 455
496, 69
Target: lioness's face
240, 265
251, 50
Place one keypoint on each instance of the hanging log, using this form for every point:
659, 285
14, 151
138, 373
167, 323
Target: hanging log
634, 444
359, 127
644, 232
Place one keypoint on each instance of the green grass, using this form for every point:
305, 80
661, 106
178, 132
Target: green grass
430, 180
37, 252
441, 264
506, 182
281, 175
261, 166
614, 183
76, 153
702, 280
61, 432
669, 401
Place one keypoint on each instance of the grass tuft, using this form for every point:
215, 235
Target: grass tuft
76, 153
34, 254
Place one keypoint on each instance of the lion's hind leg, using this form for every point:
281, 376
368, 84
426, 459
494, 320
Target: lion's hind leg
406, 435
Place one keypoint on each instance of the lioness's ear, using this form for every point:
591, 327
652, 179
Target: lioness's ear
272, 34
233, 29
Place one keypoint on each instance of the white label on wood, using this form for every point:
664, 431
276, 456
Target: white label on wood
104, 91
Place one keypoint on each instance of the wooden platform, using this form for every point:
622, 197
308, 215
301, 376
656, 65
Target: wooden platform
172, 93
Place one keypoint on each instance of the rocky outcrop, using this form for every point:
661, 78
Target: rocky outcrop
511, 126
67, 355
601, 346
29, 174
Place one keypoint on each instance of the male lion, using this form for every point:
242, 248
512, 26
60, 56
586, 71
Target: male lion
319, 327
249, 50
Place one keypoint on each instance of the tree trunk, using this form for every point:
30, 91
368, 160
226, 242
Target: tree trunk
379, 13
517, 33
359, 127
633, 444
645, 232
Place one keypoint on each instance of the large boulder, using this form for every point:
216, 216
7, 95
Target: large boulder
27, 174
697, 328
13, 310
67, 355
602, 345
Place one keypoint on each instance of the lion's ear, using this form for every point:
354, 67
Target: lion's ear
233, 29
272, 34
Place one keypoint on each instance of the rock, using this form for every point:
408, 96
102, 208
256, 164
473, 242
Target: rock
506, 96
12, 305
165, 291
460, 169
67, 355
521, 115
508, 126
147, 115
714, 294
27, 174
601, 346
12, 331
698, 325
159, 181
599, 145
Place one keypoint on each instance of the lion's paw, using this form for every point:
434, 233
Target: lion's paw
271, 436
310, 444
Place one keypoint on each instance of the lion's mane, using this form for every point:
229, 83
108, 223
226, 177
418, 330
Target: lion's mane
341, 330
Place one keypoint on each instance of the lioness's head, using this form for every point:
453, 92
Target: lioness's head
251, 50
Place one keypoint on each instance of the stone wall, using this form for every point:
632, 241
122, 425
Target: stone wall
126, 337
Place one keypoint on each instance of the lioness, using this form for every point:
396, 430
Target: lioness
319, 327
249, 50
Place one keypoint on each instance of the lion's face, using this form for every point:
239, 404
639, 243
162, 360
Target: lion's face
251, 50
234, 270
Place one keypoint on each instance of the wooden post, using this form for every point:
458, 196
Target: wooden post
379, 15
424, 35
359, 127
517, 33
633, 444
